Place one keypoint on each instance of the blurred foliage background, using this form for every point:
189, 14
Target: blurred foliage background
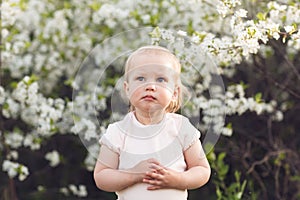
254, 44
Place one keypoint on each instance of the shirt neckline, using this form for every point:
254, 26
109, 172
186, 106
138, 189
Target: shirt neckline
139, 124
131, 127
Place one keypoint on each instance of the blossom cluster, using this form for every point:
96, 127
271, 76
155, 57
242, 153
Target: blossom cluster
14, 169
79, 191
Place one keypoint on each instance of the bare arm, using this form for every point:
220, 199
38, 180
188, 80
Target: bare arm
106, 174
196, 175
198, 172
110, 179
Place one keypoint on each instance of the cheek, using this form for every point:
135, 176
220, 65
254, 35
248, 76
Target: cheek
168, 88
134, 88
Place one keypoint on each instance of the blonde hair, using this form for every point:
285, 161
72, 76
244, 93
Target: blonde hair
174, 105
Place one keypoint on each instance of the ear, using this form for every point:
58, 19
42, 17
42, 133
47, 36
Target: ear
176, 93
126, 88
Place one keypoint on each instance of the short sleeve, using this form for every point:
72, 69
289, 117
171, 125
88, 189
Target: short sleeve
112, 138
188, 133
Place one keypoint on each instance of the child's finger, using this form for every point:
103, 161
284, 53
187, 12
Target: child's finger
152, 160
156, 176
158, 169
154, 187
153, 182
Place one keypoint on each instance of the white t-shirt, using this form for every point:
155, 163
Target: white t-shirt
165, 141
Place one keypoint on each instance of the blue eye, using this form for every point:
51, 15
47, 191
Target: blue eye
140, 78
161, 80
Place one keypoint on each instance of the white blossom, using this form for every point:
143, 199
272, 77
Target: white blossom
9, 13
14, 139
14, 169
11, 109
79, 191
167, 35
182, 33
53, 158
32, 140
13, 155
278, 116
241, 13
289, 29
222, 9
2, 95
10, 168
227, 131
41, 188
86, 128
146, 18
64, 191
91, 158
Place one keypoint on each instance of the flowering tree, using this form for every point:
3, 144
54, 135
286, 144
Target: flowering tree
61, 62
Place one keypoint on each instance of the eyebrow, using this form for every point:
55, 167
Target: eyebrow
142, 73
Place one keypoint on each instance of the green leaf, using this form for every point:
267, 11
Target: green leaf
13, 84
95, 5
219, 193
69, 82
223, 171
155, 33
229, 125
261, 16
67, 5
237, 176
221, 157
5, 106
258, 97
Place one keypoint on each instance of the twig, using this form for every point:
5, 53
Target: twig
254, 173
277, 185
12, 190
275, 82
270, 134
289, 64
265, 159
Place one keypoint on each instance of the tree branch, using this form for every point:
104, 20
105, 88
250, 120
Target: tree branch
276, 83
289, 63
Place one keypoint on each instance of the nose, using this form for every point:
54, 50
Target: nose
150, 86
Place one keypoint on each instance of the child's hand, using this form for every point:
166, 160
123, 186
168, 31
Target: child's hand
160, 177
145, 166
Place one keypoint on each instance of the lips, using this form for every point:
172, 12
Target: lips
148, 98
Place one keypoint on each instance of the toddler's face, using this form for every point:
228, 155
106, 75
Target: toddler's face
151, 82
